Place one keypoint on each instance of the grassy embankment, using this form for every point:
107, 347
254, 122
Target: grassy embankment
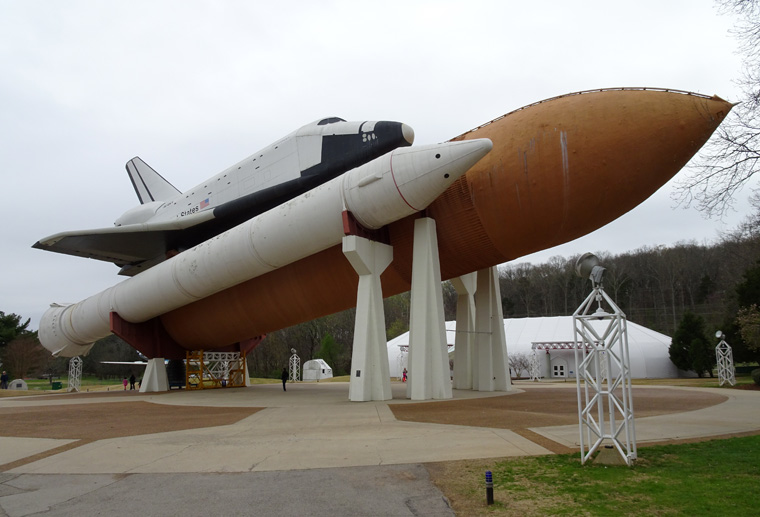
718, 477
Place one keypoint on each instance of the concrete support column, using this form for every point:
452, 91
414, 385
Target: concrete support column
429, 374
492, 365
370, 374
548, 360
464, 343
155, 378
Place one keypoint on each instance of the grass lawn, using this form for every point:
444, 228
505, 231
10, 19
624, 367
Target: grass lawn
43, 386
693, 382
718, 477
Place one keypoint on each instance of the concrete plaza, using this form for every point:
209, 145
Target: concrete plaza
309, 451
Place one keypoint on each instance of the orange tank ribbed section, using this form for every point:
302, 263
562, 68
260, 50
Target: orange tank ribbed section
558, 170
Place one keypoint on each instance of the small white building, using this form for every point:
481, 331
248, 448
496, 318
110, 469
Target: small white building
18, 384
316, 369
550, 336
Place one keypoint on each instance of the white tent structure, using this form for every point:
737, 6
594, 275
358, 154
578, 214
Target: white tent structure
316, 369
553, 338
398, 349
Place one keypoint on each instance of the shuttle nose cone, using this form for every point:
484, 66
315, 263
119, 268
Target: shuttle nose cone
408, 133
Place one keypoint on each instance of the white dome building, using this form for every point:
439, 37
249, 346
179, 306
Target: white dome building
316, 369
553, 338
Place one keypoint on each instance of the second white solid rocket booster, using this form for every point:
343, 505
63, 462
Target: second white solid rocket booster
384, 190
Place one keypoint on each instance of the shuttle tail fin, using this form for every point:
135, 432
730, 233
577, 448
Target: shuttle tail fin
149, 185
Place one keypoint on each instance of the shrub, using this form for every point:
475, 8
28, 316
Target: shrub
756, 376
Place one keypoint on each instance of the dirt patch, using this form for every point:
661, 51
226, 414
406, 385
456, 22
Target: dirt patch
113, 419
101, 394
544, 407
543, 441
748, 387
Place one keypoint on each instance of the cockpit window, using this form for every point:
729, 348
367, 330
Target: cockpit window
331, 120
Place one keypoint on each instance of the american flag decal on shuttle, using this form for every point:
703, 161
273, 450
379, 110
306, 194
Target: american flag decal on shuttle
204, 203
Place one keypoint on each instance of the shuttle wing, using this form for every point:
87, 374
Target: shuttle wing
126, 246
137, 247
121, 245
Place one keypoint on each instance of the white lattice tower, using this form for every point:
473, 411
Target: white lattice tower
603, 377
534, 366
226, 368
75, 374
402, 357
294, 368
725, 358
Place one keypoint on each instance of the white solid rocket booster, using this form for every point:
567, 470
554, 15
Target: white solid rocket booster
380, 192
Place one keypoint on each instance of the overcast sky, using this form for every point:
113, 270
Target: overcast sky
195, 86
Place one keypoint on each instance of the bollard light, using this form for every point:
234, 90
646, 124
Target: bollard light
489, 487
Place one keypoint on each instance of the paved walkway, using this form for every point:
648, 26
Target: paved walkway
739, 414
292, 444
310, 426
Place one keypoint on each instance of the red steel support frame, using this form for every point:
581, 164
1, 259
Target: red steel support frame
152, 340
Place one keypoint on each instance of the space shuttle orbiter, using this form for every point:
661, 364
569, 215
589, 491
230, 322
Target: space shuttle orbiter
168, 221
528, 180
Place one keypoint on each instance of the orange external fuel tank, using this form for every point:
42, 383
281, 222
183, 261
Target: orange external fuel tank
559, 169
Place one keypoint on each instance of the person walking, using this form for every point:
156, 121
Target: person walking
284, 378
124, 382
4, 380
132, 380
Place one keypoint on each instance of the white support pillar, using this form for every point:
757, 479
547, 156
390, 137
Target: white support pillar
246, 373
429, 374
491, 349
155, 378
464, 342
370, 373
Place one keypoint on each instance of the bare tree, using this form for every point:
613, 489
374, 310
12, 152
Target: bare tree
519, 363
732, 156
24, 356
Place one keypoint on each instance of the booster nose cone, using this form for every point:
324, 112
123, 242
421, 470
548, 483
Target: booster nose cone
408, 133
422, 177
408, 179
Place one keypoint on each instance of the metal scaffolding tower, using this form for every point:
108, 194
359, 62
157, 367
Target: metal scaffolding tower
75, 374
534, 366
294, 367
603, 374
725, 358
